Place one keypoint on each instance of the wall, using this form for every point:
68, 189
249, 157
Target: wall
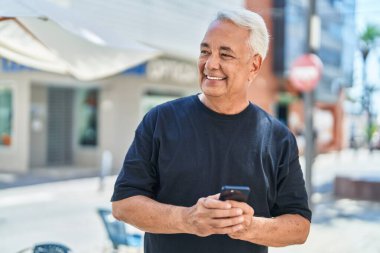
119, 114
15, 158
121, 111
263, 90
38, 126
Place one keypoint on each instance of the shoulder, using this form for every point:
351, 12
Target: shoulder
269, 123
277, 134
179, 103
165, 112
173, 108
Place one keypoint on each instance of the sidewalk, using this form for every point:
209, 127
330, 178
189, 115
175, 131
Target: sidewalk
66, 212
63, 212
46, 175
342, 225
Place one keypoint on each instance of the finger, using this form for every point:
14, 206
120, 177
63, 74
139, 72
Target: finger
215, 196
247, 209
228, 230
222, 213
227, 222
216, 204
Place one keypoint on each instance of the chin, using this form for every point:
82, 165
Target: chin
210, 86
212, 93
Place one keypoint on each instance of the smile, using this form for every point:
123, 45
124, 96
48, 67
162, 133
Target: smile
215, 78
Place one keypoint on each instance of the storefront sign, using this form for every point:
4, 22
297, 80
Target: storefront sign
176, 71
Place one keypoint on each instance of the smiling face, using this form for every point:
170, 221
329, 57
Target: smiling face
226, 63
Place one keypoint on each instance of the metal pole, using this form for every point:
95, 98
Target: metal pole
309, 138
309, 105
367, 96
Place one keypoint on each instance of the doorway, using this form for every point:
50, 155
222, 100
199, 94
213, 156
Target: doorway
60, 126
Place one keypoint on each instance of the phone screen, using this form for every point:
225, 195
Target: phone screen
233, 192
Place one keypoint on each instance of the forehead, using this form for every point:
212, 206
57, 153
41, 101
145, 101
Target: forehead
226, 33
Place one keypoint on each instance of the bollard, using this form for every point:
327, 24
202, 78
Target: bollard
106, 166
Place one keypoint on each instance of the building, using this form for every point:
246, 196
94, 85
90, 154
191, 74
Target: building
287, 22
50, 120
55, 120
68, 118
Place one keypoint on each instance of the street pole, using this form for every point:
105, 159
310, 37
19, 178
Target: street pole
309, 139
367, 103
313, 39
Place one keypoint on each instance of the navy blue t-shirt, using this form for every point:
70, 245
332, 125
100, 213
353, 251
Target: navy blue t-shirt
183, 151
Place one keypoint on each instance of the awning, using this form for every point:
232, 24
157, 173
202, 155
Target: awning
92, 39
44, 45
20, 46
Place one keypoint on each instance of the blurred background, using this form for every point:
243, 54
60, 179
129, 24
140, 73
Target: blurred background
76, 77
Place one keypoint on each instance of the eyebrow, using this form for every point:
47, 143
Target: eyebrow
203, 44
226, 49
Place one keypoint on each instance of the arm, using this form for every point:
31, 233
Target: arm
149, 215
279, 231
207, 216
290, 224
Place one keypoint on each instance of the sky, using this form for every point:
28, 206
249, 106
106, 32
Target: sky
368, 12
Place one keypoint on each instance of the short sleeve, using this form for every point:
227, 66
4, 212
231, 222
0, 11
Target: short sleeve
291, 192
138, 175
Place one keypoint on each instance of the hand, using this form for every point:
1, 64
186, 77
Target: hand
245, 232
212, 216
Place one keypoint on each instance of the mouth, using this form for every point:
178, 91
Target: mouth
215, 77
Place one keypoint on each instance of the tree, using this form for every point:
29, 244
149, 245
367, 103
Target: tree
368, 39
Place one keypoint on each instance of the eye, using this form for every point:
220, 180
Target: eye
204, 52
227, 56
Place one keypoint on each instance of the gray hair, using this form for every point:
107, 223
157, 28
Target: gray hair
259, 36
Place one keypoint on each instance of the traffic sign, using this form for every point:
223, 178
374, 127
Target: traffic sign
306, 72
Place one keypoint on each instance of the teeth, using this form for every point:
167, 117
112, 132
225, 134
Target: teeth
214, 78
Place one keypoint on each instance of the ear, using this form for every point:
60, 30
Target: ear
256, 62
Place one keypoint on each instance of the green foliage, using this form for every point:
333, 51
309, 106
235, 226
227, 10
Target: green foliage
370, 131
370, 34
286, 98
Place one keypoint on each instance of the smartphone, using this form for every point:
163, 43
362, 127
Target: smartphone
234, 192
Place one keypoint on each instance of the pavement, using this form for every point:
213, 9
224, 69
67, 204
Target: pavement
342, 225
62, 207
45, 175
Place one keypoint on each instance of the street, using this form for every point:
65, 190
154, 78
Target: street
65, 212
62, 212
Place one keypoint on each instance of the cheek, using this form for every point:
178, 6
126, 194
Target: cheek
242, 73
201, 62
200, 72
201, 67
237, 79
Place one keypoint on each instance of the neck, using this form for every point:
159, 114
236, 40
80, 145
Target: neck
224, 106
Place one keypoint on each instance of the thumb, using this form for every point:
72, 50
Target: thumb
216, 196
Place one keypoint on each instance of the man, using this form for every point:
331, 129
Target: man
185, 150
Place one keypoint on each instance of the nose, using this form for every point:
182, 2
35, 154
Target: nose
212, 62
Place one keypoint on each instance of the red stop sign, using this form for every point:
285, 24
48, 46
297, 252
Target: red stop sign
305, 72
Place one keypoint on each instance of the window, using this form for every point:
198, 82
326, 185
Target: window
88, 117
5, 116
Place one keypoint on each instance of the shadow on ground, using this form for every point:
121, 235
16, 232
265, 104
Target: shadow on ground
329, 208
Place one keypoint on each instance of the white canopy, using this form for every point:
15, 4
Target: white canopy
92, 39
